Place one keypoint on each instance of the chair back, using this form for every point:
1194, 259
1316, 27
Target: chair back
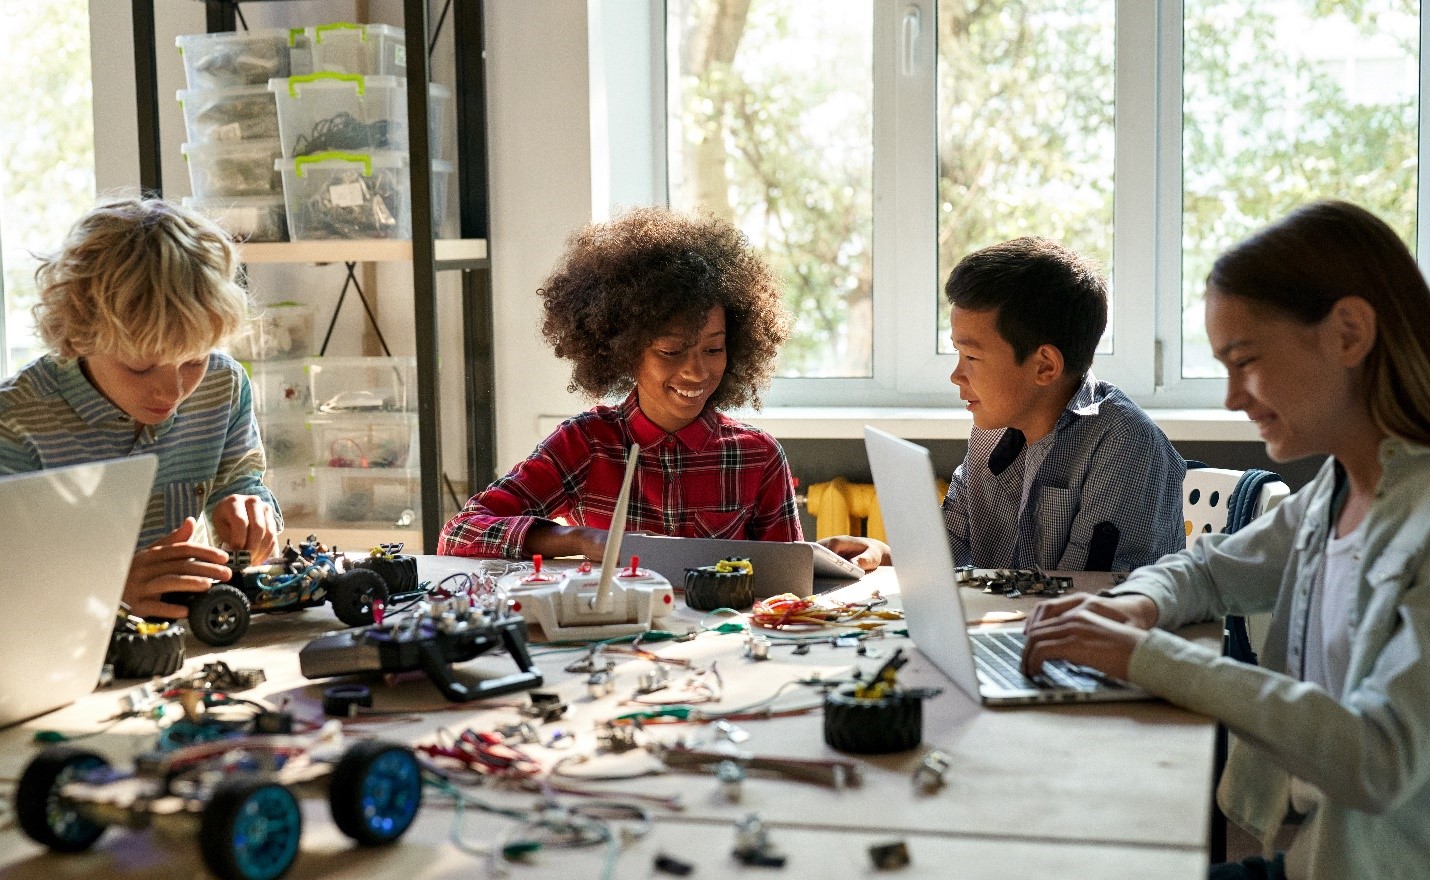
1206, 498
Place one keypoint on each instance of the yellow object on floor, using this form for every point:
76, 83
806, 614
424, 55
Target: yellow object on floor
840, 507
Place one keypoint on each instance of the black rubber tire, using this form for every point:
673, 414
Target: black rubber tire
231, 804
375, 824
872, 727
221, 616
352, 593
42, 817
399, 572
135, 655
708, 590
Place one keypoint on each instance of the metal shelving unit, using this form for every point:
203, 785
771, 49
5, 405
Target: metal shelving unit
467, 255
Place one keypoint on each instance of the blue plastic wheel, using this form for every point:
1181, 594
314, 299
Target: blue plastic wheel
376, 792
250, 829
44, 815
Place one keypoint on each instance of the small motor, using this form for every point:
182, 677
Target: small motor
729, 583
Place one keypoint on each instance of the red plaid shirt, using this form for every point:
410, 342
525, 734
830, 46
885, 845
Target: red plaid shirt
714, 478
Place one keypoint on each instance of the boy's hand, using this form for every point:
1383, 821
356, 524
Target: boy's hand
246, 522
552, 540
867, 553
172, 563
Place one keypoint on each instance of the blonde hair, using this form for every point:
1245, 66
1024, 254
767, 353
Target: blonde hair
1305, 263
140, 279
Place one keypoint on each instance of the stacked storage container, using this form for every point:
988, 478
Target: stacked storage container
344, 140
231, 121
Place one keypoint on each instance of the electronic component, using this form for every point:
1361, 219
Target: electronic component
889, 856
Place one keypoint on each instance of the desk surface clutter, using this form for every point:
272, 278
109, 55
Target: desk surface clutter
1106, 790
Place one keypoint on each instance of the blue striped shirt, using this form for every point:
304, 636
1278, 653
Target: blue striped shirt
52, 416
1015, 505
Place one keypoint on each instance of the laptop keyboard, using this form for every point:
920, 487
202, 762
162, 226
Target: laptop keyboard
999, 655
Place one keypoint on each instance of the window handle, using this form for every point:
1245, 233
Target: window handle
911, 31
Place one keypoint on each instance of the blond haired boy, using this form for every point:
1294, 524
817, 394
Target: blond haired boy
132, 307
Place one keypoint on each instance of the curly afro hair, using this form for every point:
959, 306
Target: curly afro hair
652, 271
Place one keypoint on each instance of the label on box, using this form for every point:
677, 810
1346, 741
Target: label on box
233, 131
346, 195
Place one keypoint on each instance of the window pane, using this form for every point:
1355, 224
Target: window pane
1025, 113
47, 169
1284, 103
771, 129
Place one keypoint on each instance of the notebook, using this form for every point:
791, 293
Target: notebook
69, 537
983, 663
798, 567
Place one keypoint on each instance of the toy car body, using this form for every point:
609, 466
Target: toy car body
237, 796
303, 577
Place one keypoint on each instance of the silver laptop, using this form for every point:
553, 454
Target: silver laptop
984, 663
798, 567
70, 535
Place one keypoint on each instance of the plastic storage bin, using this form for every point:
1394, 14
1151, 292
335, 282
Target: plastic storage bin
287, 440
280, 387
355, 195
363, 386
368, 49
244, 168
296, 490
325, 111
365, 440
245, 113
225, 60
246, 218
380, 497
283, 331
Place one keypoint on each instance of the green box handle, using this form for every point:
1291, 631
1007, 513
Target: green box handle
356, 79
356, 158
340, 26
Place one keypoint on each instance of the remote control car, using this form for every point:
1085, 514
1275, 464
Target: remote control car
237, 796
302, 577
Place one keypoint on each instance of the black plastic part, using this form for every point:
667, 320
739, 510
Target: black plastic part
889, 856
399, 573
707, 589
273, 723
345, 795
135, 655
893, 723
43, 816
221, 815
668, 864
352, 594
340, 701
219, 617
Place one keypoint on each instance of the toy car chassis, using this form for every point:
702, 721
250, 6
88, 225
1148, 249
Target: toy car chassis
237, 796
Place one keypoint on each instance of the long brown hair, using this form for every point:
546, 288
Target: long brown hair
1302, 265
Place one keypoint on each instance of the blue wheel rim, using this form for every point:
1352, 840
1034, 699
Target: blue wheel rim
390, 793
67, 823
265, 833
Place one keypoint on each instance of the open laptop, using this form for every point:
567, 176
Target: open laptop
798, 567
70, 535
984, 663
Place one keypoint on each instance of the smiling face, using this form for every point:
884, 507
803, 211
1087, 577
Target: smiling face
148, 392
999, 391
678, 373
1290, 378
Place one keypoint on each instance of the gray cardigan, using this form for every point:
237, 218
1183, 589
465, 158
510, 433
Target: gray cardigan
1366, 749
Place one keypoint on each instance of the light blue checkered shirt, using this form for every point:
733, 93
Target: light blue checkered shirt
51, 416
1010, 505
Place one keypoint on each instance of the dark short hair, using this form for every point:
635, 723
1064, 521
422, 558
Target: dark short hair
623, 283
1044, 295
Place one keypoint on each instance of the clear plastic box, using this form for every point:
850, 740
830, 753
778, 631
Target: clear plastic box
296, 490
245, 113
242, 168
368, 49
366, 440
355, 195
363, 386
287, 440
380, 497
246, 218
234, 58
280, 387
325, 111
